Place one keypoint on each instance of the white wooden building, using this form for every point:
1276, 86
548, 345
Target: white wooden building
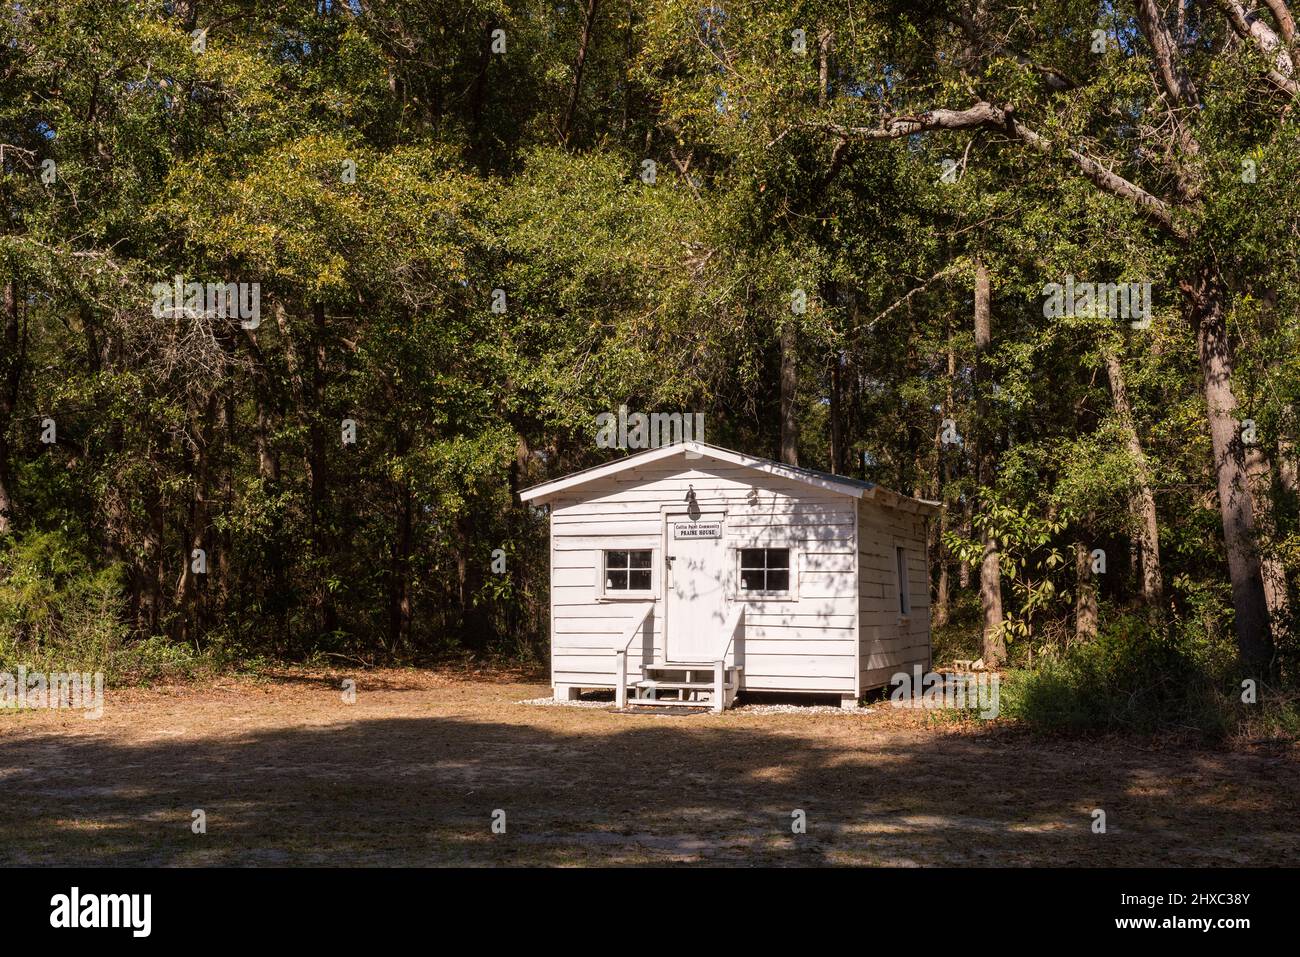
686, 573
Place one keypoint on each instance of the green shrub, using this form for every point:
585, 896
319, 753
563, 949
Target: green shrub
1275, 714
60, 613
1131, 678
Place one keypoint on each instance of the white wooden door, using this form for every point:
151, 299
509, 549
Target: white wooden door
696, 595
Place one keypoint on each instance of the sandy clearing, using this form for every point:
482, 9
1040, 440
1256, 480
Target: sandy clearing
410, 774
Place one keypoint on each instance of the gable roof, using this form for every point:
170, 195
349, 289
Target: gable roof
841, 484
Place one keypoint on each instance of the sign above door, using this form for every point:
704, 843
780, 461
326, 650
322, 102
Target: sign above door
683, 530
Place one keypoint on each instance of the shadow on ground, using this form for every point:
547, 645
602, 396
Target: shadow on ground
605, 789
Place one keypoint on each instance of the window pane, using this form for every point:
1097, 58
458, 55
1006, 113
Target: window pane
639, 580
616, 581
778, 580
751, 579
751, 558
640, 559
778, 558
616, 559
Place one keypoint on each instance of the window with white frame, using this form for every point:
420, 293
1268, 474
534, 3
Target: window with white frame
628, 572
764, 571
904, 598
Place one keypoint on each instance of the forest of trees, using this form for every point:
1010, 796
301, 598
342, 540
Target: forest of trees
833, 228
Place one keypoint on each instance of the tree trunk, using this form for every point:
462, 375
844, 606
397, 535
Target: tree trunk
943, 477
469, 579
836, 413
1143, 501
943, 597
399, 603
1254, 638
1260, 479
993, 643
1288, 470
588, 24
225, 577
1288, 486
152, 564
993, 639
943, 590
789, 385
627, 62
11, 369
399, 587
268, 465
823, 64
1085, 594
319, 468
188, 598
963, 569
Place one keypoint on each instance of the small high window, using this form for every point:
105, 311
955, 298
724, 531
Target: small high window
904, 601
765, 569
627, 571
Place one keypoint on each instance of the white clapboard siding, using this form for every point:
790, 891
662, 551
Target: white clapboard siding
756, 646
840, 631
562, 577
590, 540
736, 522
801, 665
797, 536
582, 596
825, 585
772, 623
811, 562
891, 642
573, 558
808, 643
627, 525
581, 606
736, 507
608, 628
900, 659
830, 685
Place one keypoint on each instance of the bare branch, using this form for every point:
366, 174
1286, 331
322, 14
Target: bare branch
897, 127
1181, 90
1285, 22
1250, 27
984, 114
1053, 77
906, 298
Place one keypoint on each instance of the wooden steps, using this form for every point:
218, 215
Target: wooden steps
674, 677
680, 666
633, 703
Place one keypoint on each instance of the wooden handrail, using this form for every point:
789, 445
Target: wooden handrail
735, 619
620, 657
733, 624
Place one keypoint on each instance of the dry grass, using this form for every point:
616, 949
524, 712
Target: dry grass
411, 773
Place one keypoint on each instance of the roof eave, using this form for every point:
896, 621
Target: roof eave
546, 491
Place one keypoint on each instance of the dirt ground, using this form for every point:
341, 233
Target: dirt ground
287, 773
